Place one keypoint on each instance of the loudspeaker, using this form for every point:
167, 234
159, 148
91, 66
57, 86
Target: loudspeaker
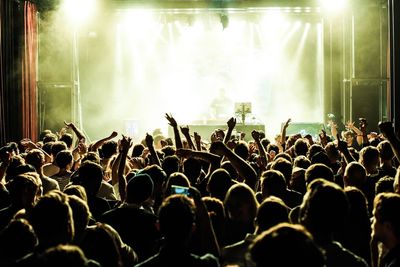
55, 106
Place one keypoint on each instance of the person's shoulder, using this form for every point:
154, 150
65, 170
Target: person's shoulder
153, 261
207, 260
345, 256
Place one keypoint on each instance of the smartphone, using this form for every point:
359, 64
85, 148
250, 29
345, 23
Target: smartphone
180, 190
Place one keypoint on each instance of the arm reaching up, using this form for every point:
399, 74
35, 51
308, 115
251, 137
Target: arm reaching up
186, 133
283, 133
174, 125
231, 125
79, 134
242, 167
153, 153
102, 141
261, 150
214, 160
125, 145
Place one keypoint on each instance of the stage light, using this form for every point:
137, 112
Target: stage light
78, 11
333, 6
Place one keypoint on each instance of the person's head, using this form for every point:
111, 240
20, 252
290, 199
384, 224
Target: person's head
24, 190
355, 175
64, 159
384, 184
369, 158
49, 137
100, 244
170, 165
35, 157
241, 204
67, 139
137, 150
44, 133
76, 190
284, 166
273, 183
158, 176
318, 170
332, 152
314, 149
321, 157
168, 151
242, 150
227, 165
385, 151
57, 147
64, 256
271, 212
80, 214
109, 148
91, 156
358, 205
286, 245
52, 220
386, 219
17, 230
300, 147
324, 209
348, 137
139, 189
219, 183
192, 169
90, 175
176, 218
302, 162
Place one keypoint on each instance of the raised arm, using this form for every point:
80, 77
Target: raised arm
197, 139
214, 160
174, 125
79, 134
186, 133
102, 141
261, 150
387, 130
125, 145
27, 143
242, 167
342, 147
231, 125
283, 133
153, 153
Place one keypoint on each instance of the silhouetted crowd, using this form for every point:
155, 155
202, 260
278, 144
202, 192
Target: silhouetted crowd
220, 200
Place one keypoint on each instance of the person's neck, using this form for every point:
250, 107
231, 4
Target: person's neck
64, 171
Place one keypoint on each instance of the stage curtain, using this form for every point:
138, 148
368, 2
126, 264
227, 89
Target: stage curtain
29, 59
9, 82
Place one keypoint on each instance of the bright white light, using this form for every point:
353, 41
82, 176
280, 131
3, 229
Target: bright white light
333, 6
78, 11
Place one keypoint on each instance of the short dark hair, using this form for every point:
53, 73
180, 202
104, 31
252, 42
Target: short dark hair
63, 158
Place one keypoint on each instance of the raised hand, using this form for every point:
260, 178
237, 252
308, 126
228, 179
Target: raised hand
171, 120
82, 148
197, 137
113, 134
350, 125
342, 145
126, 143
69, 124
149, 140
231, 123
287, 123
185, 130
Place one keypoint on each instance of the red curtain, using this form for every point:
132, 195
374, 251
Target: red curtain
29, 60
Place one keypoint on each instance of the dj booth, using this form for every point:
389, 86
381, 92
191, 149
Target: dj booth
205, 130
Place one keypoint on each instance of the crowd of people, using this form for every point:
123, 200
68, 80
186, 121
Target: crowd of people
181, 201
